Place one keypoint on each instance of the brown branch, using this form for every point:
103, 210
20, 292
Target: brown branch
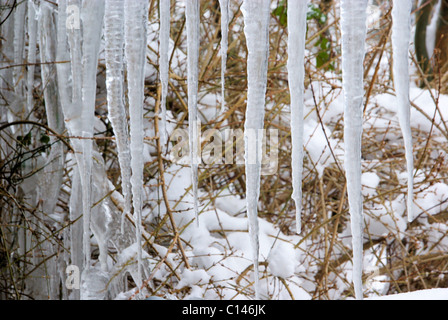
162, 181
34, 123
32, 64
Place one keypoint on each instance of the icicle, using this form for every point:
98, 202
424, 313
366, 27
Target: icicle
353, 50
47, 33
94, 281
54, 168
19, 45
32, 41
64, 92
92, 14
6, 73
72, 107
76, 232
193, 20
114, 36
165, 17
256, 29
401, 35
63, 69
225, 16
136, 18
52, 174
297, 11
73, 113
74, 39
86, 195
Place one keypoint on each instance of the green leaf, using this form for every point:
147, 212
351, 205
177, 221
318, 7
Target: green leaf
315, 13
278, 11
45, 139
282, 13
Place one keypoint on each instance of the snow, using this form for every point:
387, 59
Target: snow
230, 204
353, 25
401, 37
256, 30
370, 182
437, 237
381, 221
430, 294
297, 18
211, 252
280, 253
428, 118
317, 147
190, 278
433, 201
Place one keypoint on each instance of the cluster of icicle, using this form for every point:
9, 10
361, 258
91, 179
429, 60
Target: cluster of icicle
125, 47
71, 33
125, 37
353, 25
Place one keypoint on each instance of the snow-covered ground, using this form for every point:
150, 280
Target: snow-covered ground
430, 294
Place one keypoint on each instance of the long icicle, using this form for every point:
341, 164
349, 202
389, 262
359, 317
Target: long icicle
64, 69
297, 10
193, 20
401, 37
75, 46
225, 16
354, 13
164, 38
114, 37
256, 29
32, 41
70, 112
92, 14
53, 171
136, 19
19, 46
55, 162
